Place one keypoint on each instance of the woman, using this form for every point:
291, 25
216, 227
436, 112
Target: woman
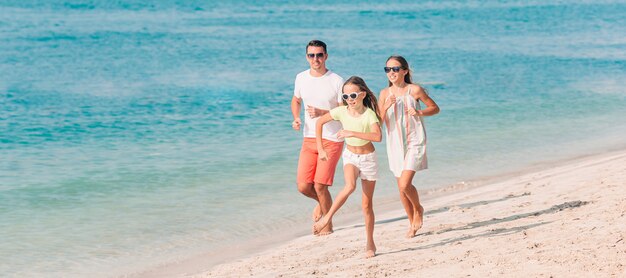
406, 136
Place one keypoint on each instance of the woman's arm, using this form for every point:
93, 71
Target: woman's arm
318, 135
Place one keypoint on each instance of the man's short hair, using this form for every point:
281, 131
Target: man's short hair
317, 43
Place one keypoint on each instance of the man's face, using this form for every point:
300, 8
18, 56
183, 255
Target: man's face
316, 57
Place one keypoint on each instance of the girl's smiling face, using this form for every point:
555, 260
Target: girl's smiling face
395, 76
349, 91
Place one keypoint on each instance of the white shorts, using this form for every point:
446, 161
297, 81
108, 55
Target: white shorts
366, 163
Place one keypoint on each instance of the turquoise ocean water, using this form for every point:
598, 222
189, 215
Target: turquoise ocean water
140, 132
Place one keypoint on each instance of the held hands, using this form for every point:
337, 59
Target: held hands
296, 124
313, 112
345, 133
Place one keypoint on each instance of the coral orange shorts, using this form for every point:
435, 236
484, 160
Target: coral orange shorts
311, 168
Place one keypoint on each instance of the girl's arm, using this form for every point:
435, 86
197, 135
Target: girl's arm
375, 135
431, 107
318, 135
385, 101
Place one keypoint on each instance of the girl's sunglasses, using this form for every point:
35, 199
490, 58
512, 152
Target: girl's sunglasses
395, 69
352, 95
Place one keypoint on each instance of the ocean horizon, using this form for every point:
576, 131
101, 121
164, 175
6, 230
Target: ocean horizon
142, 133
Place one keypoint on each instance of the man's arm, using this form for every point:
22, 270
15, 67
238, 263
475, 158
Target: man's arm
296, 105
315, 112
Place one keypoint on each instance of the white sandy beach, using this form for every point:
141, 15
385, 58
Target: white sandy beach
566, 221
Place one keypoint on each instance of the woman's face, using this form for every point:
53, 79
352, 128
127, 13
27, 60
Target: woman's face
392, 75
351, 90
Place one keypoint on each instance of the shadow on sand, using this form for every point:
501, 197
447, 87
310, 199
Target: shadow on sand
499, 231
442, 209
466, 237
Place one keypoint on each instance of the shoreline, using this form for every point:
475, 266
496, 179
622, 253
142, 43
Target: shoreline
567, 219
388, 211
563, 220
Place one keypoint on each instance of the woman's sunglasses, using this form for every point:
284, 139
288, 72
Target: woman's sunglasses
313, 55
352, 95
395, 69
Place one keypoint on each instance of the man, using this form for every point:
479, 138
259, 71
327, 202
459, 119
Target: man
320, 90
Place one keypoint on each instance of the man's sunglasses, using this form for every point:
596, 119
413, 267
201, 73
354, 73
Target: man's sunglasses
395, 69
352, 95
313, 55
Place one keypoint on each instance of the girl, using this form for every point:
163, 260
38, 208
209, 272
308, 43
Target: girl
360, 127
406, 136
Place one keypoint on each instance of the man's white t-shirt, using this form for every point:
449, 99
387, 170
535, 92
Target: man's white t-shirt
322, 92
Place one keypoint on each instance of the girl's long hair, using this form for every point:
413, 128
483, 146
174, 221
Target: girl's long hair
404, 65
369, 100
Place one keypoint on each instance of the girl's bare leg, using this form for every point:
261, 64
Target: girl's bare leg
368, 213
408, 207
350, 175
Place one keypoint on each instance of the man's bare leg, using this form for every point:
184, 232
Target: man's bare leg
308, 189
317, 213
325, 202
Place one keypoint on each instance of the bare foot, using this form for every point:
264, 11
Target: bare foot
417, 222
410, 233
370, 251
317, 213
320, 226
327, 230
